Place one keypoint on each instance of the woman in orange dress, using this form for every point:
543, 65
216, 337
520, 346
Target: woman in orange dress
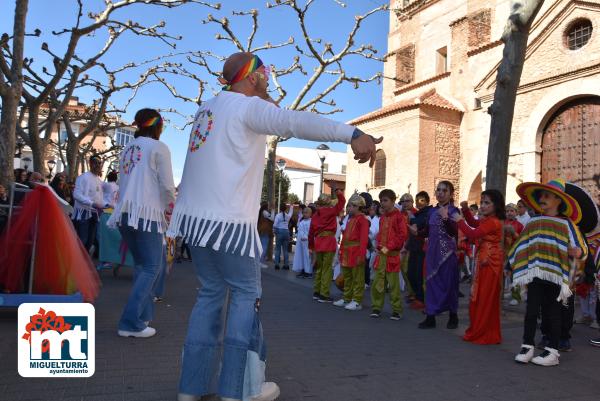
484, 308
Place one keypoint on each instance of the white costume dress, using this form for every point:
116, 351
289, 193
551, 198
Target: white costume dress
302, 260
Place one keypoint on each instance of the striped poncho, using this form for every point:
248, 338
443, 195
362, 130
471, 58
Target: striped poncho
542, 250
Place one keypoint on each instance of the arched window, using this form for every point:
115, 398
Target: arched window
379, 173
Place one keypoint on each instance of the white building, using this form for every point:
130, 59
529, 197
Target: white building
304, 171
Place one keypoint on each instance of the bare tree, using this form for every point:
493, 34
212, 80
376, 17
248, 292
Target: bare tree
326, 59
11, 85
43, 88
101, 115
515, 37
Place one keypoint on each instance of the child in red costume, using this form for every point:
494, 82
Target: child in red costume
393, 232
353, 252
321, 240
484, 307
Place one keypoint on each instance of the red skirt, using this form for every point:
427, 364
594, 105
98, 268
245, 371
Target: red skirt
484, 308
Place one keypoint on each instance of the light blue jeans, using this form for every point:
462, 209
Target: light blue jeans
222, 335
264, 242
282, 240
159, 285
147, 250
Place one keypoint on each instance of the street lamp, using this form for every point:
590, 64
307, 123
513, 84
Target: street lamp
280, 166
51, 164
322, 152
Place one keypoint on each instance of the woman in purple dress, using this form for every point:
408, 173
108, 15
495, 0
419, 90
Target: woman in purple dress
441, 262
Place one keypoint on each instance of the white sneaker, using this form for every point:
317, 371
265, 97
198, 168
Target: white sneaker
264, 266
147, 332
513, 302
268, 392
595, 325
547, 358
340, 303
525, 355
353, 306
187, 397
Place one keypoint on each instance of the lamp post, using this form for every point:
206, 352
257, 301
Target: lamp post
280, 166
51, 164
322, 152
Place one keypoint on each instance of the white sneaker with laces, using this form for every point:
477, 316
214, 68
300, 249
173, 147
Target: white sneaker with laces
268, 392
525, 355
340, 302
147, 332
353, 306
547, 358
513, 302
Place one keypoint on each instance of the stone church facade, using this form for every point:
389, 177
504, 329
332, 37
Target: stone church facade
444, 56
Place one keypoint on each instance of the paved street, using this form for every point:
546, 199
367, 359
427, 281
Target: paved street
316, 352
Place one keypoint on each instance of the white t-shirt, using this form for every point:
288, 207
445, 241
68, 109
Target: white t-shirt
110, 190
282, 220
524, 219
88, 190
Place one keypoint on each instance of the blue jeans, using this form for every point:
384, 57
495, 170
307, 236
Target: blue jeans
282, 240
159, 285
264, 242
86, 230
147, 250
221, 332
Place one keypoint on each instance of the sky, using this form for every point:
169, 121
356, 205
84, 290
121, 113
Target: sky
325, 20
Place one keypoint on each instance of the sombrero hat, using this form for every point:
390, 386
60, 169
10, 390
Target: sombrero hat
589, 209
530, 193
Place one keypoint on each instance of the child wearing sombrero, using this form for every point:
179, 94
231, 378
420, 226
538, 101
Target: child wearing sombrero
541, 259
322, 241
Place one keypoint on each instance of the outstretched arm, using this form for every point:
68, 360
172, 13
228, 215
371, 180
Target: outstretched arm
265, 118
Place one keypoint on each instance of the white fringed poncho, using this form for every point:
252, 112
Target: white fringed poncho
145, 184
222, 178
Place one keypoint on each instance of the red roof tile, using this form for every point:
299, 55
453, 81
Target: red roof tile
430, 98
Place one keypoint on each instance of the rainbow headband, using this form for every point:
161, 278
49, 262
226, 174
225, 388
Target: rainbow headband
151, 122
251, 66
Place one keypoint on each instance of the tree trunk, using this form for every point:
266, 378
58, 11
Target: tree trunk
515, 37
72, 164
271, 160
38, 145
8, 121
11, 94
271, 176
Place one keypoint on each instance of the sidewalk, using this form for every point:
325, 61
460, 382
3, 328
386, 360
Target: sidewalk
316, 352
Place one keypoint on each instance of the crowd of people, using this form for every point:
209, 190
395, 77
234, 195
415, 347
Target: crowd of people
382, 245
543, 249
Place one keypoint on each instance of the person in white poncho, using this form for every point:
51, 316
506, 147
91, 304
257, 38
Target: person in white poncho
224, 164
146, 194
